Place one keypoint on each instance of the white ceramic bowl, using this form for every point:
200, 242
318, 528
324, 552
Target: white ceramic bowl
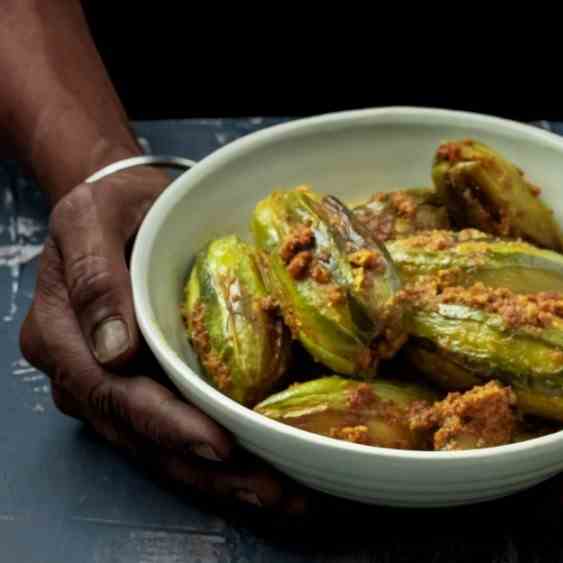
350, 155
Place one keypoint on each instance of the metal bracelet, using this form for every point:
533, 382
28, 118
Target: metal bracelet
157, 160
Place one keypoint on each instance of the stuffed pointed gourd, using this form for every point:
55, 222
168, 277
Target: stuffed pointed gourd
335, 285
462, 336
392, 215
234, 326
483, 190
472, 256
376, 413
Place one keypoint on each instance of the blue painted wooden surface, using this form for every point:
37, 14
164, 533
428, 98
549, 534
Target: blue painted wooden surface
67, 497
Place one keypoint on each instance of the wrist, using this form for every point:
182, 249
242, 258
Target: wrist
142, 172
63, 145
135, 188
59, 173
121, 199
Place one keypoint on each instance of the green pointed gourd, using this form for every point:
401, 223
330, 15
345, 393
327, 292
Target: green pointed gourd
375, 413
472, 256
484, 190
463, 336
334, 283
234, 326
391, 215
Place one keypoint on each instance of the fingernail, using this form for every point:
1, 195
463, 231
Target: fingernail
248, 497
205, 451
111, 339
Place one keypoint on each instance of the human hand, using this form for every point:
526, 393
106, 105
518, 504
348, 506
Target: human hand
81, 331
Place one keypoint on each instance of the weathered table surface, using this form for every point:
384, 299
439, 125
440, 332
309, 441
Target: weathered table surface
67, 497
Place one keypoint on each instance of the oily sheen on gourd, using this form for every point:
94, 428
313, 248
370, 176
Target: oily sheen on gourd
334, 284
239, 337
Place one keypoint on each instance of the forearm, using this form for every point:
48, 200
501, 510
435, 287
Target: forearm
58, 108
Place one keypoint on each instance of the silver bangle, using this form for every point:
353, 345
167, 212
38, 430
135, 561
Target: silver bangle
157, 160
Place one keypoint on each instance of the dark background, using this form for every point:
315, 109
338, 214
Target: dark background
168, 62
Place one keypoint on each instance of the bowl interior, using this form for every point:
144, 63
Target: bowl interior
349, 155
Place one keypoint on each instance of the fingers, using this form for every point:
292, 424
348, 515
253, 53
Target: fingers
50, 337
183, 445
224, 482
96, 277
153, 425
176, 440
255, 487
154, 412
36, 353
138, 403
50, 296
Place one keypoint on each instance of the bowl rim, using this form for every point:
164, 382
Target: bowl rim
188, 181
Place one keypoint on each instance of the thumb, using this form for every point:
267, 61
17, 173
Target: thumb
97, 278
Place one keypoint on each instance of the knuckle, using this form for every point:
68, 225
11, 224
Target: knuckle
107, 400
49, 306
100, 398
90, 280
50, 289
50, 280
152, 427
142, 391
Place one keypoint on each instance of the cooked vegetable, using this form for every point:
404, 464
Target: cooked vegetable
391, 215
437, 366
479, 333
472, 256
480, 418
376, 413
233, 324
334, 284
469, 271
482, 189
